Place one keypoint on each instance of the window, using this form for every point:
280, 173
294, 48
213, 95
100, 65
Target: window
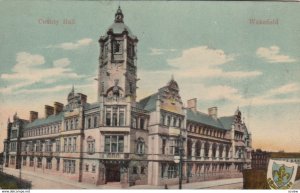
198, 148
172, 171
162, 119
74, 144
57, 143
115, 117
122, 120
133, 122
168, 120
108, 118
49, 163
76, 123
69, 166
31, 162
114, 143
174, 122
65, 144
140, 146
162, 170
189, 147
57, 164
24, 161
142, 123
221, 149
134, 170
90, 145
69, 144
87, 167
214, 149
142, 170
71, 124
163, 148
206, 149
174, 147
117, 47
39, 162
93, 168
89, 123
95, 122
67, 125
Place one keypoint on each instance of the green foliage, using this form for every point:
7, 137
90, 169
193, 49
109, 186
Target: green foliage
12, 182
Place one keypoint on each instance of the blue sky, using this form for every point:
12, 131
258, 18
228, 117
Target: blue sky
211, 48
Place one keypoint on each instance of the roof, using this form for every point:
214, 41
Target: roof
203, 118
119, 28
89, 106
44, 121
284, 155
148, 103
227, 122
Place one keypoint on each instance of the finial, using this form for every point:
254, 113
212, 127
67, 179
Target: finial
119, 15
8, 120
172, 77
73, 90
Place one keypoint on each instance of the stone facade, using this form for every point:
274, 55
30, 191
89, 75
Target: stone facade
119, 139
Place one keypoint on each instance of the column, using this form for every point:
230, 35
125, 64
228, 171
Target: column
210, 150
224, 152
202, 150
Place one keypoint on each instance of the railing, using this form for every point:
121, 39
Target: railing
134, 109
115, 155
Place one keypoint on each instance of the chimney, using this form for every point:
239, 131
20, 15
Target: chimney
48, 111
58, 107
213, 112
33, 116
192, 104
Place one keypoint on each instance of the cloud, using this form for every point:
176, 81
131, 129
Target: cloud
30, 69
73, 45
64, 62
159, 51
272, 55
204, 62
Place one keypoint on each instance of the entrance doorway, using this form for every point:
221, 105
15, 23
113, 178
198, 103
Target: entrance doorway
112, 173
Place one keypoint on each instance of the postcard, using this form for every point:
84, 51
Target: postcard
149, 95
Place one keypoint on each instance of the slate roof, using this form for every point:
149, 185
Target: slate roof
44, 121
203, 118
148, 103
89, 106
227, 121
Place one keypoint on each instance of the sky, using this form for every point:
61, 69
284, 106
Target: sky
212, 49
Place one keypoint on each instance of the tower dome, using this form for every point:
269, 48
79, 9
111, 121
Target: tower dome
118, 27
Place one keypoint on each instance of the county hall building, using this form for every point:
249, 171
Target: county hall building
120, 139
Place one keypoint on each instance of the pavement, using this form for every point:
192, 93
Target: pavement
46, 181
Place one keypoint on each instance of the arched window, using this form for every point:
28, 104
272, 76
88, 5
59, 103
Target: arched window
140, 146
214, 150
189, 147
90, 145
206, 149
221, 149
198, 148
227, 152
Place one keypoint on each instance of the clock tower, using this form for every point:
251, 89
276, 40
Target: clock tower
117, 63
